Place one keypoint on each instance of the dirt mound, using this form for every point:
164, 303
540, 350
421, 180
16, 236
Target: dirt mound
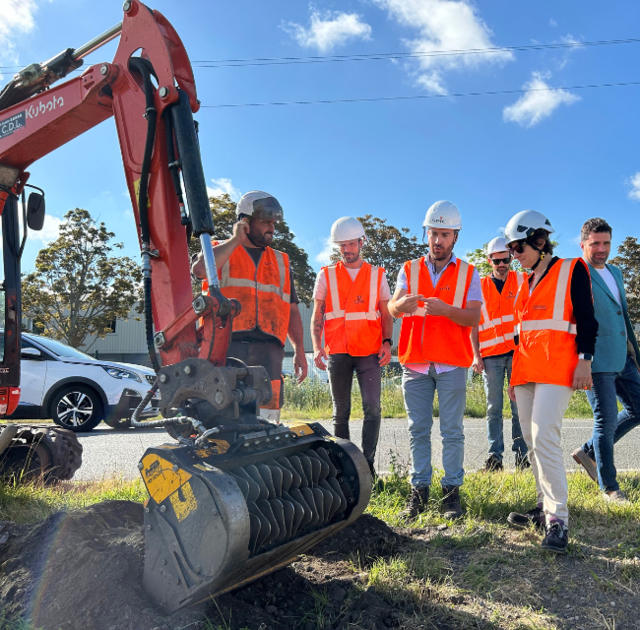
82, 570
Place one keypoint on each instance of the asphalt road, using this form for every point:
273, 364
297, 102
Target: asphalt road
108, 452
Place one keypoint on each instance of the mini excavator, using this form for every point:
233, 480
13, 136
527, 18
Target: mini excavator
232, 497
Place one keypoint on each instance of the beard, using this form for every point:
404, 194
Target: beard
441, 253
351, 257
261, 240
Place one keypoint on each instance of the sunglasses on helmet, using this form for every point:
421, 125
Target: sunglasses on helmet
498, 261
517, 246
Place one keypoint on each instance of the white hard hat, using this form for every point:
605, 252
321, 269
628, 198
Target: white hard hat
443, 214
497, 244
524, 224
259, 204
346, 229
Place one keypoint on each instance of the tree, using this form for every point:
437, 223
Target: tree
478, 258
387, 246
628, 259
78, 289
223, 210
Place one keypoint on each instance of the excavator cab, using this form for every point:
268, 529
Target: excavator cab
232, 496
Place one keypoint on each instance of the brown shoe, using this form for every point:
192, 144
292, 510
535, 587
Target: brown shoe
417, 502
586, 462
616, 496
451, 502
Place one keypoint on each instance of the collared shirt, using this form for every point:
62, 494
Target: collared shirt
474, 294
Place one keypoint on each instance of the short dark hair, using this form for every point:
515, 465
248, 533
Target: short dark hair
547, 248
596, 225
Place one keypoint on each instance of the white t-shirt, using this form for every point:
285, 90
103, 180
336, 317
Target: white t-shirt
610, 281
320, 289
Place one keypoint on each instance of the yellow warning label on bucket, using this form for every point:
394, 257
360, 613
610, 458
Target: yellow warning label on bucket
161, 477
183, 501
301, 429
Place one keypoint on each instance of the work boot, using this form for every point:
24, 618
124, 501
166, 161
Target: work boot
417, 502
522, 461
532, 517
616, 496
451, 502
493, 464
556, 538
586, 462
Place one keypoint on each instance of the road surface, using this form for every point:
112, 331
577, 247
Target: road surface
108, 452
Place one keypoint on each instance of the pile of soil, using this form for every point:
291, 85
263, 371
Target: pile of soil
82, 570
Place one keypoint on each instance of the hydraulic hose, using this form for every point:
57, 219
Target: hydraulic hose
145, 69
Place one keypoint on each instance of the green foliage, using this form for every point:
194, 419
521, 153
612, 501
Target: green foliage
223, 209
387, 246
78, 287
628, 259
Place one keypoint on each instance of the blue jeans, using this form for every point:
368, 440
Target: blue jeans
495, 370
419, 391
609, 425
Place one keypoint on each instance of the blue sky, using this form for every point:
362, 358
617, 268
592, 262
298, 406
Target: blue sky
571, 155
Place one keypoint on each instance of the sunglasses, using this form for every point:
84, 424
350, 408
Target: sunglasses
517, 246
497, 261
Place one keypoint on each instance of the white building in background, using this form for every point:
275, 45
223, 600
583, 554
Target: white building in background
127, 343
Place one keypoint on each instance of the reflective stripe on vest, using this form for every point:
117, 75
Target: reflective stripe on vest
226, 280
357, 339
547, 351
426, 338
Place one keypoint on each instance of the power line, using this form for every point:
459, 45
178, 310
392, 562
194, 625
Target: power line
423, 96
271, 61
267, 61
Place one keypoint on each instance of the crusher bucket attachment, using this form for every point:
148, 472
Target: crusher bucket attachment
30, 453
221, 516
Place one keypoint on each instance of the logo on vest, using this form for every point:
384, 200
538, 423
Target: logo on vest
511, 295
539, 307
444, 288
359, 300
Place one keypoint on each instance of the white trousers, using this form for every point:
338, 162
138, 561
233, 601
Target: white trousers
541, 408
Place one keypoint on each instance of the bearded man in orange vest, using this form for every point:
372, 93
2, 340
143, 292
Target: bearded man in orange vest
438, 297
556, 332
351, 308
493, 346
260, 278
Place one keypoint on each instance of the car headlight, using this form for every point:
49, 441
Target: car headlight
151, 378
120, 373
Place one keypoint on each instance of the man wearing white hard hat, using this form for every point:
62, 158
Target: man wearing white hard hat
438, 297
493, 347
260, 278
350, 307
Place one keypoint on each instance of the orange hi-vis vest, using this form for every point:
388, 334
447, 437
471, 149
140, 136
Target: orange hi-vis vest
264, 292
429, 338
495, 330
352, 319
546, 329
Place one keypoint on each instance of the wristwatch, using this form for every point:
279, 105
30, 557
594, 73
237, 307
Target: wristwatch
389, 340
586, 356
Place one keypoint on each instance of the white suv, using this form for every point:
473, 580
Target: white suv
76, 390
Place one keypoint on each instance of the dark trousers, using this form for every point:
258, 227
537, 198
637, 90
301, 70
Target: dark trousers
609, 425
341, 368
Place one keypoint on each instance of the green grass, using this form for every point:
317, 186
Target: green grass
311, 400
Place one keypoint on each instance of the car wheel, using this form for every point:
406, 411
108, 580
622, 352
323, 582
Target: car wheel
77, 408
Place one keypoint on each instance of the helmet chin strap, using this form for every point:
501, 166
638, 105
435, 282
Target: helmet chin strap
533, 268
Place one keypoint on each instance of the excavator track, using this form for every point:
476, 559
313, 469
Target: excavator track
41, 452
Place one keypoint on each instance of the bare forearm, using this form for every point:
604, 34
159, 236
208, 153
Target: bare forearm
387, 320
475, 343
469, 316
296, 332
221, 252
394, 311
317, 324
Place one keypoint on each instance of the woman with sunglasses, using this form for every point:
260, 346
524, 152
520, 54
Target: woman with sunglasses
556, 333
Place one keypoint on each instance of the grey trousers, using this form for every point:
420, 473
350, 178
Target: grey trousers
341, 368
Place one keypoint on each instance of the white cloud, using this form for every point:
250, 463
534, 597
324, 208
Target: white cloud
324, 257
634, 193
538, 103
50, 230
552, 22
17, 19
222, 186
329, 30
444, 25
569, 39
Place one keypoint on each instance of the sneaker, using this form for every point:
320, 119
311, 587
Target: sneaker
417, 502
556, 537
451, 502
533, 517
586, 462
616, 496
493, 464
522, 461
